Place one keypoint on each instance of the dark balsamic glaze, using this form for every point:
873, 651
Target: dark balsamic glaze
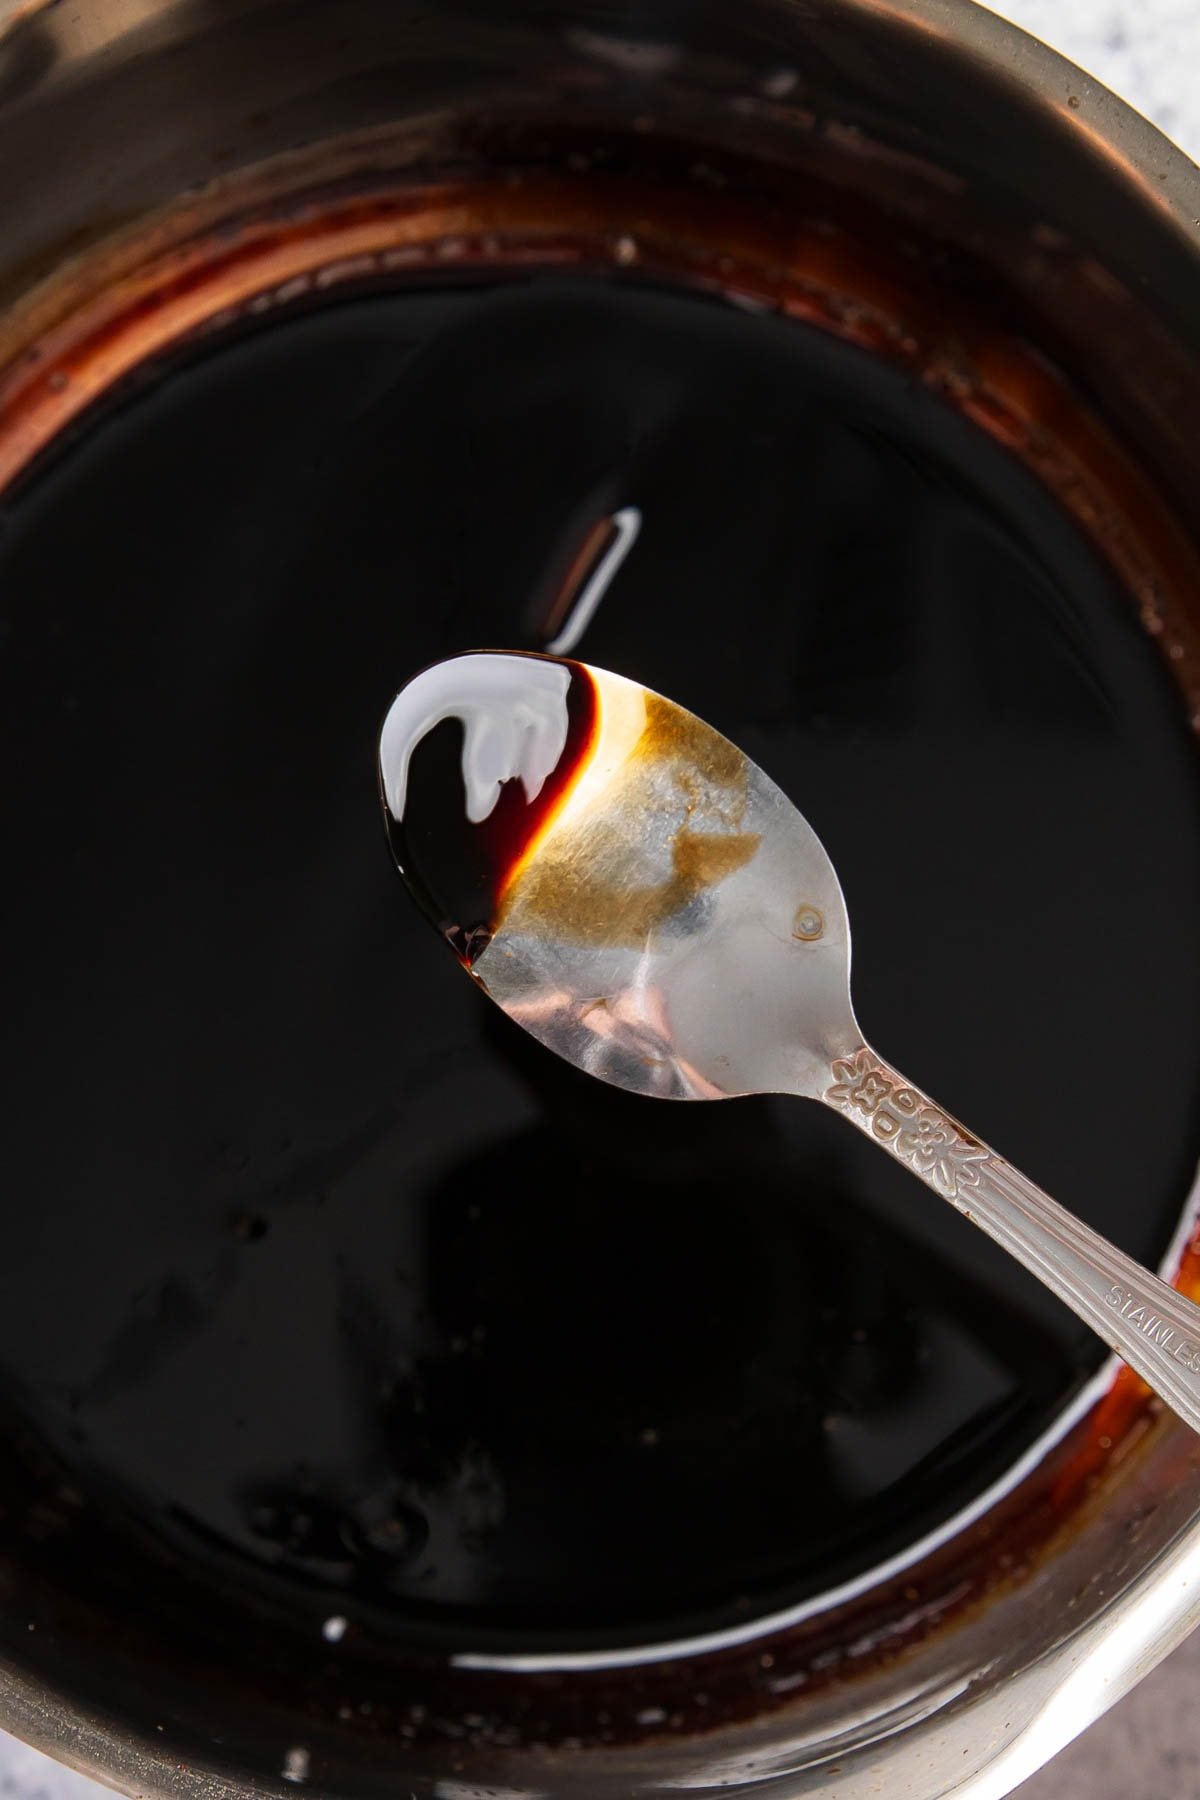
321, 1279
458, 869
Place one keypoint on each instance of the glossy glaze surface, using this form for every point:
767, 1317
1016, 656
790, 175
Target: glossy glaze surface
353, 1287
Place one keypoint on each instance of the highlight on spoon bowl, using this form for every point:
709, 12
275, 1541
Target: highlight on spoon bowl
463, 821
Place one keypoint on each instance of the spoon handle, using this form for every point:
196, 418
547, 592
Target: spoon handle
1152, 1326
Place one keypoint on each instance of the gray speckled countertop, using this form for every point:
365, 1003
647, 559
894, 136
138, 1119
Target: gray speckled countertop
1148, 51
1148, 1747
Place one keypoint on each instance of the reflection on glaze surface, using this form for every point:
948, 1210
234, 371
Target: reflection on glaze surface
476, 756
621, 534
513, 711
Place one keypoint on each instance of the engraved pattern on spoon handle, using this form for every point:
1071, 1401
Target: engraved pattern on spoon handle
1152, 1326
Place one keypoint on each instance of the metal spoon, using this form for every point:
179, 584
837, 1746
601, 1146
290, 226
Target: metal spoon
673, 925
